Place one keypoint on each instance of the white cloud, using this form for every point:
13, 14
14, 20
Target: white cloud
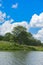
2, 16
7, 26
15, 5
23, 23
37, 20
39, 35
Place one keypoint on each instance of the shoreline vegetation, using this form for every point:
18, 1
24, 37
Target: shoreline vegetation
9, 46
19, 39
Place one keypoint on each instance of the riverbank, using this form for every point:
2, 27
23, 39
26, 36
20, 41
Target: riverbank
8, 46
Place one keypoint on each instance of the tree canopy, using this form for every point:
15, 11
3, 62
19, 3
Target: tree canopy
21, 36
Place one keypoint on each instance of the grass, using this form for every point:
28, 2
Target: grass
8, 46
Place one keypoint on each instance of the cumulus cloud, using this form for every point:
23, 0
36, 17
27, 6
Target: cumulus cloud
37, 20
15, 5
7, 25
39, 35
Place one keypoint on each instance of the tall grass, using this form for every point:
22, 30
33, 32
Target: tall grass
12, 46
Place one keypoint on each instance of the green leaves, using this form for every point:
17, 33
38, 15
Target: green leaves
21, 36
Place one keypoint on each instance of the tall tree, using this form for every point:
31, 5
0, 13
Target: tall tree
17, 30
21, 34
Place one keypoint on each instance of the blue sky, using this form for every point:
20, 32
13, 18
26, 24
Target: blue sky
24, 10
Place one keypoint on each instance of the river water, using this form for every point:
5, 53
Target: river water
21, 58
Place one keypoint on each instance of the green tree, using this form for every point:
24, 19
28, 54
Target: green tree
23, 38
17, 30
21, 34
8, 37
1, 37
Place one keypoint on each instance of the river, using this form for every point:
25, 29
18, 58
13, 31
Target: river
21, 58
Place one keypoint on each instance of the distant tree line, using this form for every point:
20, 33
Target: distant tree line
20, 36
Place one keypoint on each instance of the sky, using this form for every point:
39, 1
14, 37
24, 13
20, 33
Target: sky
28, 13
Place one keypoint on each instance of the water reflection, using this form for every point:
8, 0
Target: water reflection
21, 58
34, 58
12, 58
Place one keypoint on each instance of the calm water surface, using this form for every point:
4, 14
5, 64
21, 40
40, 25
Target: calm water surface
21, 58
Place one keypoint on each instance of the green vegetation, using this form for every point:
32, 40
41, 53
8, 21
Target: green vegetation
8, 46
19, 39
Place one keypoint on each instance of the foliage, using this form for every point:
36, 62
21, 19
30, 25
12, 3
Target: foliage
8, 37
1, 37
17, 30
21, 36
